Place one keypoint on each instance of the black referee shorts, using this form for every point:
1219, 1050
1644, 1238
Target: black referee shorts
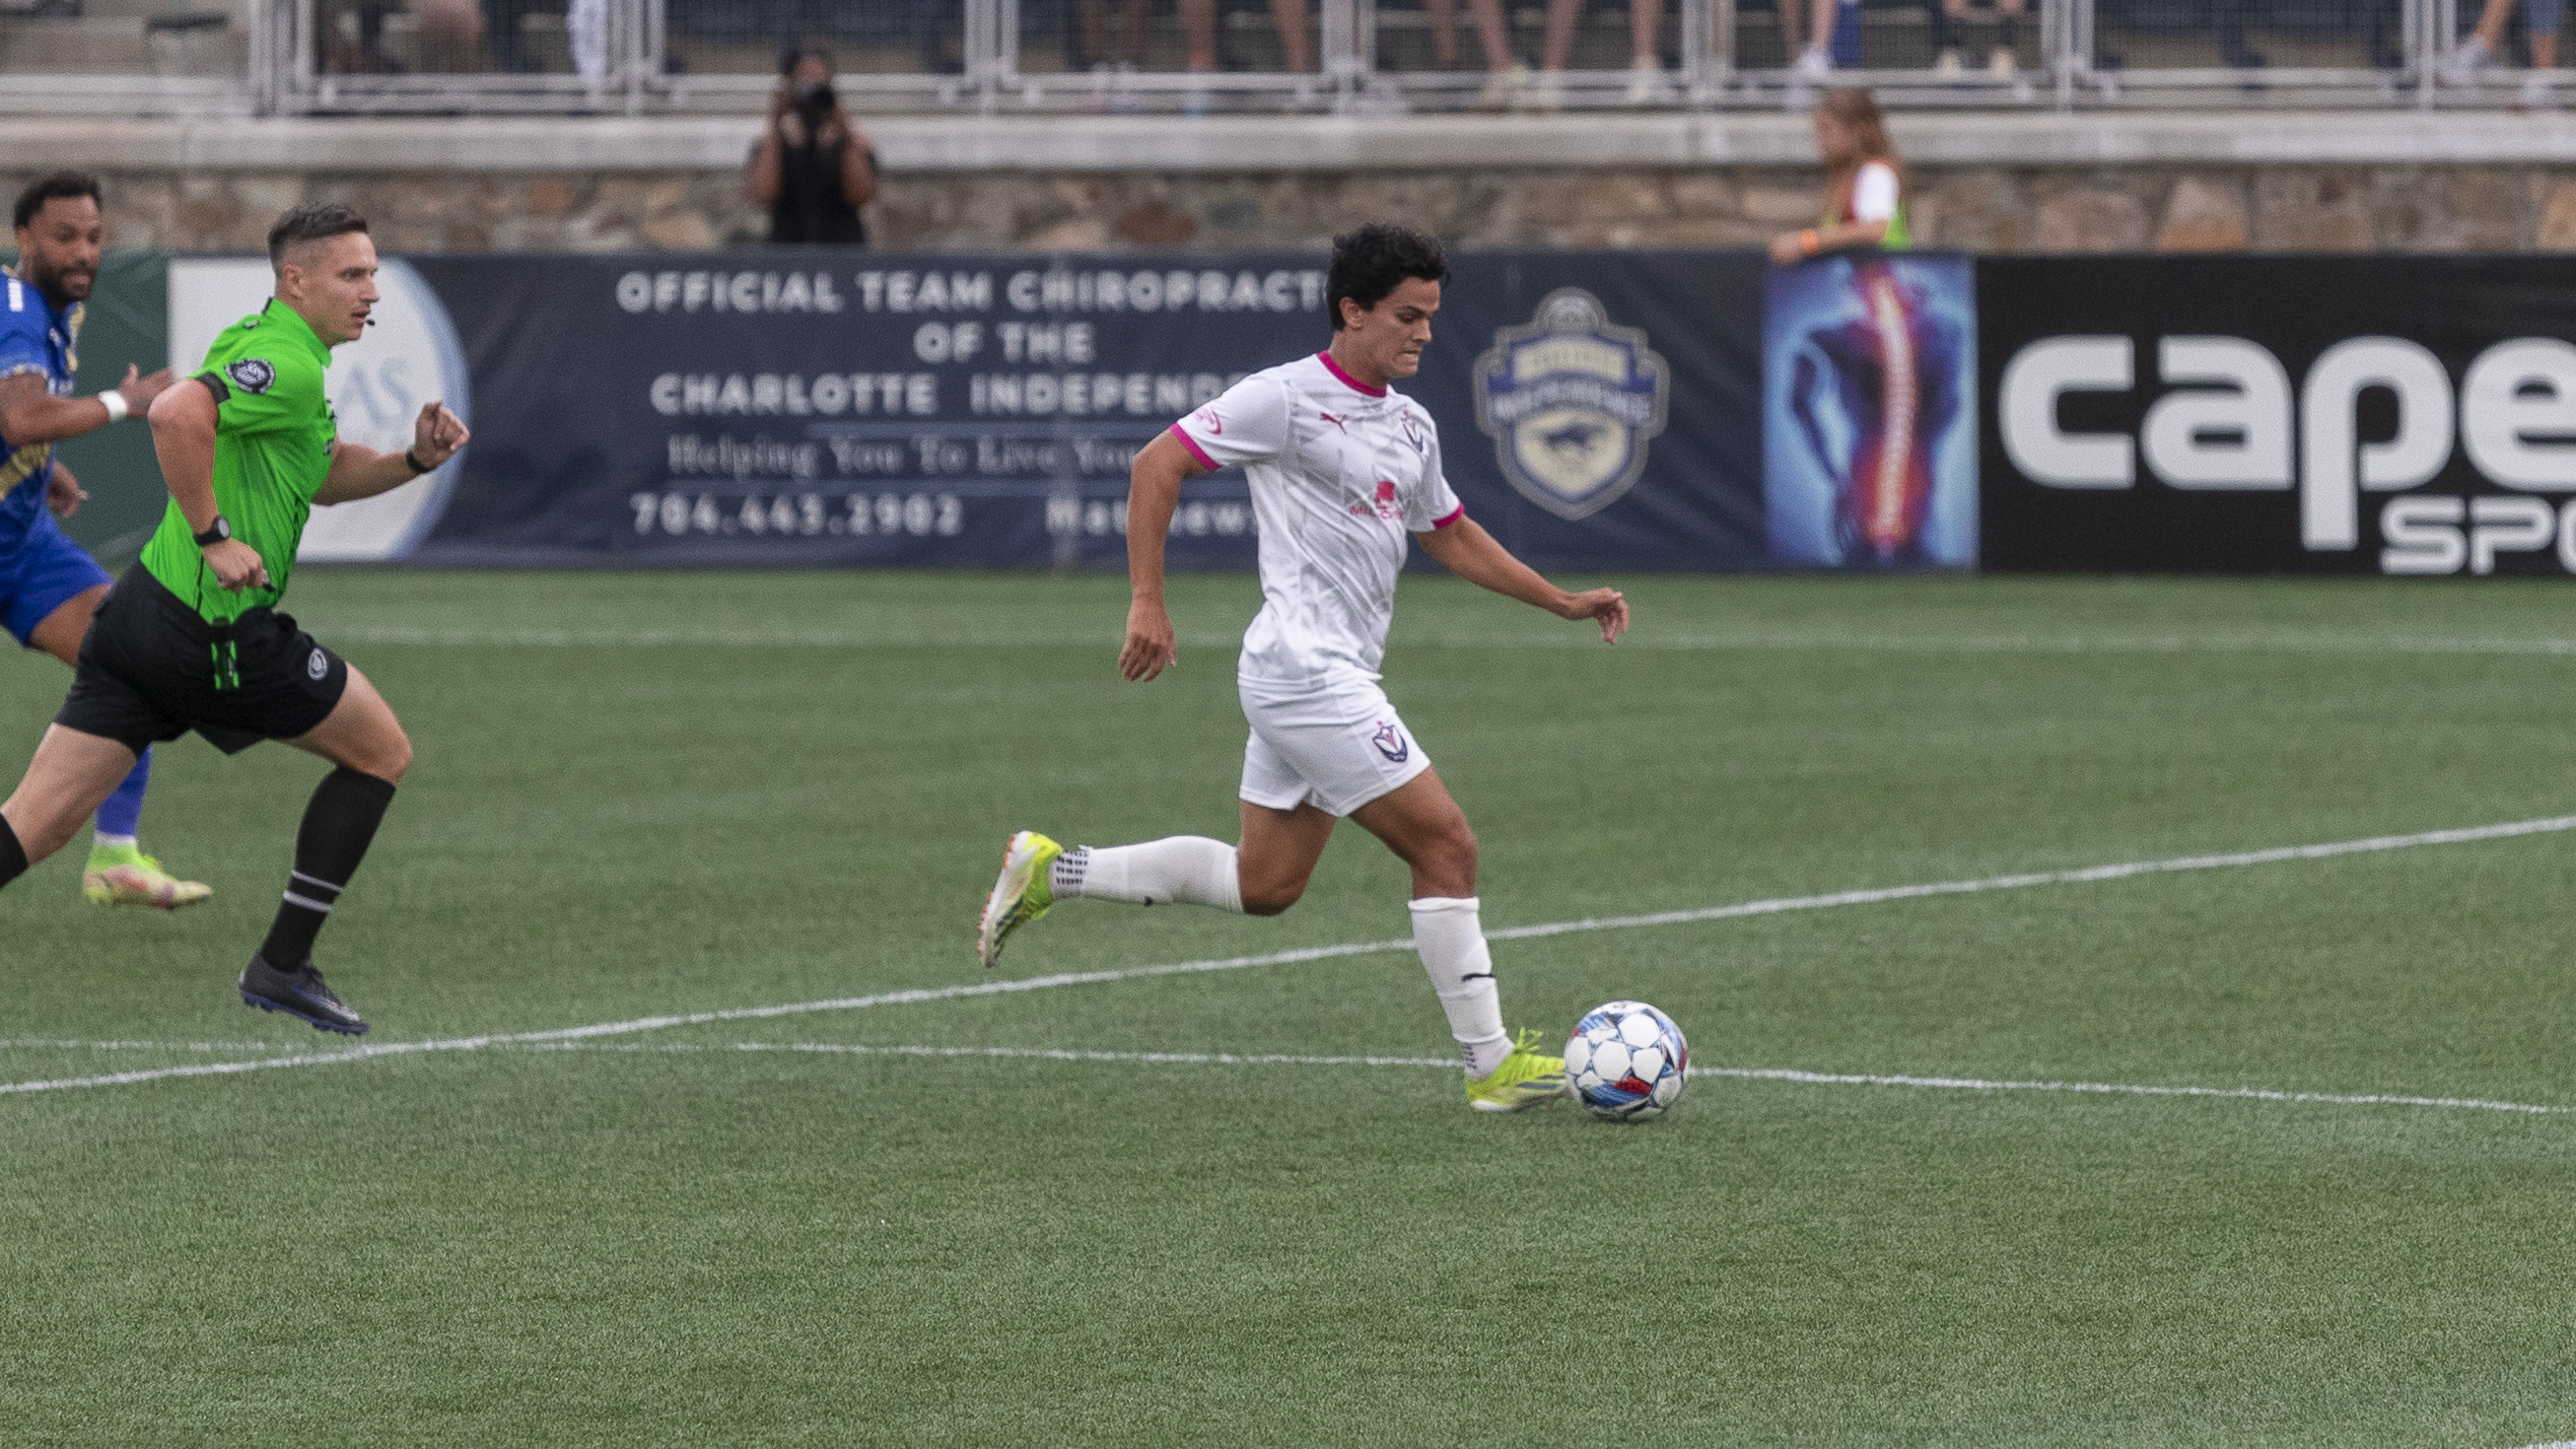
151, 668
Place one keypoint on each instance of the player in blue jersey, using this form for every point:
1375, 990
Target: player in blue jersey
48, 586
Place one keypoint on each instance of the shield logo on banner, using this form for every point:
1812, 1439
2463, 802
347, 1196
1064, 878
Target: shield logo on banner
1571, 402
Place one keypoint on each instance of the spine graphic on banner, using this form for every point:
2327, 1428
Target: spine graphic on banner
1869, 438
2194, 414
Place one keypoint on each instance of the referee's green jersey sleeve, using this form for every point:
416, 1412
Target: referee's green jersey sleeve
270, 384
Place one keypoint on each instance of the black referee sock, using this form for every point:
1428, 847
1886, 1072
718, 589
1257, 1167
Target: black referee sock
347, 807
13, 856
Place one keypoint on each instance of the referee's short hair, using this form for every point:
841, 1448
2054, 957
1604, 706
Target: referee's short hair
310, 224
1371, 262
46, 188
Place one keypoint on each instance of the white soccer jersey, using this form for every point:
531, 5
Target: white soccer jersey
1341, 474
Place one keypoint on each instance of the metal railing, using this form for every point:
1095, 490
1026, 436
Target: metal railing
1196, 57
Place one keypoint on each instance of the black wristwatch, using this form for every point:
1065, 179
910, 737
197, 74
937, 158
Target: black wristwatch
216, 532
412, 461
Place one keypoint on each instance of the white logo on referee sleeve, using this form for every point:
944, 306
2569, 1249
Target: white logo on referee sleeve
318, 665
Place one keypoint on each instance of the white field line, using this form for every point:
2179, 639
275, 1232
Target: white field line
1051, 1054
61, 1044
1750, 642
1761, 1074
634, 1025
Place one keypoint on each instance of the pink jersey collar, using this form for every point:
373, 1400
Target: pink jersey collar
1348, 381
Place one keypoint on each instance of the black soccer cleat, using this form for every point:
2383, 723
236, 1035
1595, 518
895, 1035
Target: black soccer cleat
299, 993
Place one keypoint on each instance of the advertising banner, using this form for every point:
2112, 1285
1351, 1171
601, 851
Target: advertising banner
2366, 415
795, 406
1869, 368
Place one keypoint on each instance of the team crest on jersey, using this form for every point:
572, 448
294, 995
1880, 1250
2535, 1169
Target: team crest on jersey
1571, 402
1391, 742
1414, 436
251, 374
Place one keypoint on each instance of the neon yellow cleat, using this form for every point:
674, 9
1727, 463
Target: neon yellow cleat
1023, 894
123, 875
1524, 1080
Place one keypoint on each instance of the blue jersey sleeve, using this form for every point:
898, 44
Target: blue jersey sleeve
23, 322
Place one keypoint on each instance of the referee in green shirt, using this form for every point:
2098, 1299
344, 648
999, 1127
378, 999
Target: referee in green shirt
191, 637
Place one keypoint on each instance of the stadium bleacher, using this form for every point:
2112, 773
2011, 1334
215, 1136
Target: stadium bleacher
1030, 56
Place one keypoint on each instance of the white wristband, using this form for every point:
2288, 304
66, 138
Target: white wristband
115, 402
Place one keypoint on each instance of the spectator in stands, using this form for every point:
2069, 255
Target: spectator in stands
451, 35
2541, 19
1513, 86
1864, 188
1814, 59
1645, 72
1114, 61
1114, 58
811, 167
1946, 58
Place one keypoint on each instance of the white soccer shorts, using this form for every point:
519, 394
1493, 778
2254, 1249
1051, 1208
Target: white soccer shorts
1336, 746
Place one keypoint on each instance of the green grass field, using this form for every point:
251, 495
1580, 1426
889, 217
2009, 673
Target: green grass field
651, 795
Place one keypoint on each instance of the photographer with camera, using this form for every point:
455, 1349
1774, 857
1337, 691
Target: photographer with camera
812, 167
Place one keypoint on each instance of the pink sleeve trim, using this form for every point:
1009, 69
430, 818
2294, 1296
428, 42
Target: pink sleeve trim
1454, 515
1196, 451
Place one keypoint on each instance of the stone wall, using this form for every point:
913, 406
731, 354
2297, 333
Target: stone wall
2028, 181
2410, 207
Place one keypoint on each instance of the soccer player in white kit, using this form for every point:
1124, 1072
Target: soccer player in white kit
1342, 469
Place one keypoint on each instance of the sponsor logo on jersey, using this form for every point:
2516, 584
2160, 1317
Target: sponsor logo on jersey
1391, 742
1382, 504
1208, 419
251, 374
1571, 402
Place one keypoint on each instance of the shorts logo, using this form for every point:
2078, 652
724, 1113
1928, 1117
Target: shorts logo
251, 374
1571, 401
318, 665
1391, 743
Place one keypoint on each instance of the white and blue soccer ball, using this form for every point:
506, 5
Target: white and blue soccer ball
1627, 1061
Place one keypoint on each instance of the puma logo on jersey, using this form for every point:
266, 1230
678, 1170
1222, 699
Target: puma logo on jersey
1336, 422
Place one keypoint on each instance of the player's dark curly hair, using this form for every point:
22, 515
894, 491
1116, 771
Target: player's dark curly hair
1374, 260
310, 224
47, 188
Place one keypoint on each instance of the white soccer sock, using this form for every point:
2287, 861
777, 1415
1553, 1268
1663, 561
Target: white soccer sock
1189, 868
1451, 938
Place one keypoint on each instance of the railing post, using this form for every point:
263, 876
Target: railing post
261, 81
992, 50
635, 40
297, 43
1340, 51
1708, 47
2439, 28
2066, 30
